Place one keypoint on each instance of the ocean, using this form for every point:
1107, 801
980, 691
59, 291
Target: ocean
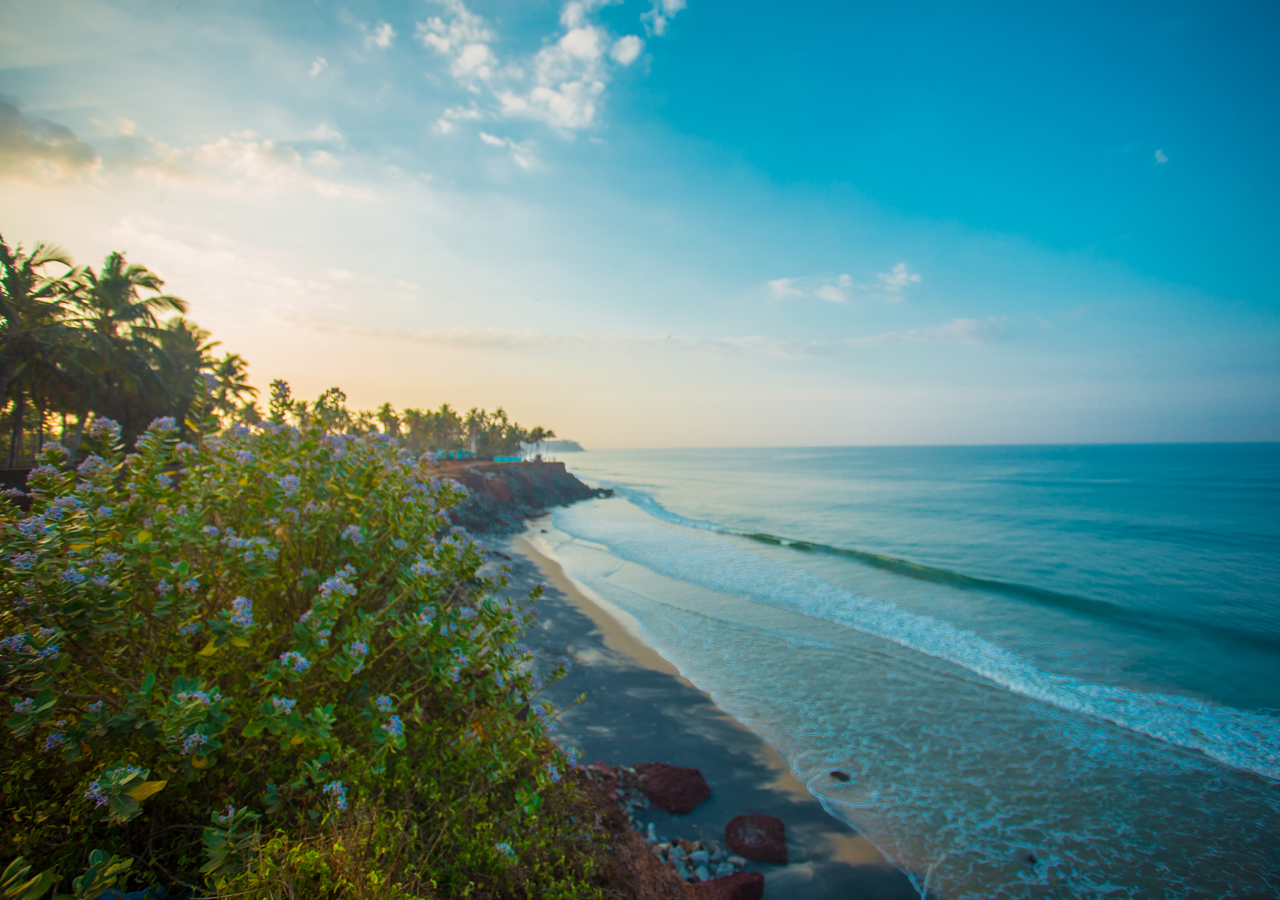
1047, 671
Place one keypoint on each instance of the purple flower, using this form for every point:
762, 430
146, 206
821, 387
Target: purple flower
193, 742
358, 648
242, 612
204, 699
24, 706
23, 561
384, 704
73, 576
296, 660
14, 643
189, 628
424, 569
338, 792
290, 483
283, 704
163, 587
352, 533
244, 457
95, 793
394, 727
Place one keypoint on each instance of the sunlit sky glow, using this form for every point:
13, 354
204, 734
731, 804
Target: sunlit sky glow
652, 223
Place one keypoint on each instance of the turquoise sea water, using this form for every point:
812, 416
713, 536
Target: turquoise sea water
1066, 653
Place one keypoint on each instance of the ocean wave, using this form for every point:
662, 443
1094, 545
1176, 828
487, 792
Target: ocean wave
715, 559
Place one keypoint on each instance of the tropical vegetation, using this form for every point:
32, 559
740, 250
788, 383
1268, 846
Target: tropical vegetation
247, 655
76, 343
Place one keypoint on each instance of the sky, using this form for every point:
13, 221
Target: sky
687, 223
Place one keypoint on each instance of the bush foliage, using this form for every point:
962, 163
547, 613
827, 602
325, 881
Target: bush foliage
267, 666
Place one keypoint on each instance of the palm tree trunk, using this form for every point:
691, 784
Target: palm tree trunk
75, 443
15, 435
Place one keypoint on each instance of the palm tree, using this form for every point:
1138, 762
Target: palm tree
234, 392
181, 365
123, 330
390, 421
31, 328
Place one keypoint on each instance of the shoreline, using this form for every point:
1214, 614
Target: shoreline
639, 709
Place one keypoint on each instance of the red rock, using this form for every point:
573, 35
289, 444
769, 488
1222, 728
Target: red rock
757, 836
738, 886
674, 788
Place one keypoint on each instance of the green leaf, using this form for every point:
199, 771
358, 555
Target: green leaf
253, 729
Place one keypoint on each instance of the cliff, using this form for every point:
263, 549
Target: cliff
503, 495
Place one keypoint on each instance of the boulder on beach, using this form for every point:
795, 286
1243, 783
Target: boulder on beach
674, 788
738, 886
757, 836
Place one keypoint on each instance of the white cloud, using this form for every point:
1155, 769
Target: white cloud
325, 134
662, 13
318, 65
894, 281
626, 49
520, 152
562, 85
957, 331
457, 114
835, 293
238, 162
474, 60
381, 37
784, 288
464, 29
1160, 157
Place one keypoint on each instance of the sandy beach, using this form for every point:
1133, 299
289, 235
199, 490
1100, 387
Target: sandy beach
639, 709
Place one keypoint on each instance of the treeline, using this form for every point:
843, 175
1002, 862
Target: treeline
76, 343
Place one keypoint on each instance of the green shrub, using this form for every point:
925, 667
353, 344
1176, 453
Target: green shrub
222, 661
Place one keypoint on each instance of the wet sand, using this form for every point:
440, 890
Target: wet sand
638, 709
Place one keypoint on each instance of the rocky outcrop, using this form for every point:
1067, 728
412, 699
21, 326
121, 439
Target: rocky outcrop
757, 836
674, 788
738, 886
502, 495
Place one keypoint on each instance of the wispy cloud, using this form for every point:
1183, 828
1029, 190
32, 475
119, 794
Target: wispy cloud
784, 288
894, 281
381, 37
562, 85
1160, 157
318, 65
520, 152
37, 149
661, 15
241, 162
888, 285
957, 331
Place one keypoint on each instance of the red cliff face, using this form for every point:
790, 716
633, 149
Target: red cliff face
502, 495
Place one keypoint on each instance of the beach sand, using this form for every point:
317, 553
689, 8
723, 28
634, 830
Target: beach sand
639, 709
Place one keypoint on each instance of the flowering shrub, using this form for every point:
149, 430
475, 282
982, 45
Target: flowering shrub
249, 641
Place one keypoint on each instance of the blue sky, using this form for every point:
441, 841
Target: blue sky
703, 224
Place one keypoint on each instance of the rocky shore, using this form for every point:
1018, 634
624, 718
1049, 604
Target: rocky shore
503, 495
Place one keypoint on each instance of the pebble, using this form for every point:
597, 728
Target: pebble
702, 874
